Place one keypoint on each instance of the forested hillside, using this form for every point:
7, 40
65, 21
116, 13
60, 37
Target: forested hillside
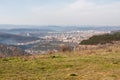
102, 39
11, 51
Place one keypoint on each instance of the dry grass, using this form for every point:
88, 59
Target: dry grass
95, 64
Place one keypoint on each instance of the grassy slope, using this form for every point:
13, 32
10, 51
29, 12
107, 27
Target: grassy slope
103, 64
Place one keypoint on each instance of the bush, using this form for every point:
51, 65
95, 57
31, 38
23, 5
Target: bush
65, 48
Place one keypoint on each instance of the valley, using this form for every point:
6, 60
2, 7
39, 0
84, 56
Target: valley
33, 40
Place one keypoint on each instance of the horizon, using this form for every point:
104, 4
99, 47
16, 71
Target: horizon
60, 13
18, 26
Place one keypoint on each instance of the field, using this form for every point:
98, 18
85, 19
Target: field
100, 64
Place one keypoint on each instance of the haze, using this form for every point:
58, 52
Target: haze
60, 12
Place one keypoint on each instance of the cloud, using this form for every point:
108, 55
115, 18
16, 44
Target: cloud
79, 12
91, 13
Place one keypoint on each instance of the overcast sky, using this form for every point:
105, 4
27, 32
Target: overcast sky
60, 12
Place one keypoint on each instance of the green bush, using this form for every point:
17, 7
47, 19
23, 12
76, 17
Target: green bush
102, 39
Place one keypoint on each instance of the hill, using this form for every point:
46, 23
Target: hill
11, 51
33, 28
100, 64
102, 39
12, 39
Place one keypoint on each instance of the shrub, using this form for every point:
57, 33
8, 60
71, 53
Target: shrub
102, 39
65, 48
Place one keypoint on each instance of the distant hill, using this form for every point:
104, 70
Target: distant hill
7, 51
102, 39
33, 28
12, 39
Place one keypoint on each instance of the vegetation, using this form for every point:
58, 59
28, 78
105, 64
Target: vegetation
7, 51
65, 48
102, 39
100, 64
12, 38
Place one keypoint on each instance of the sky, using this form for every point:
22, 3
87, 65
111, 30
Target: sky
60, 12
